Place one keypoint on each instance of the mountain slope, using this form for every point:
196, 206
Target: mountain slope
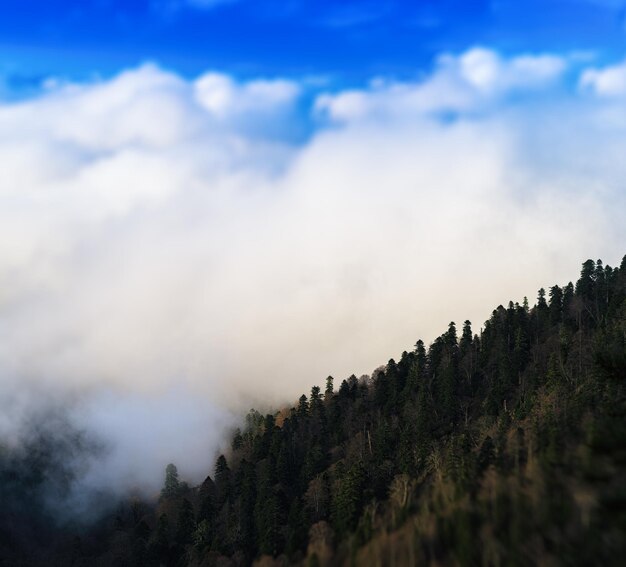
502, 448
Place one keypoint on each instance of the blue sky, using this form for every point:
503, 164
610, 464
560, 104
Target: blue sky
349, 41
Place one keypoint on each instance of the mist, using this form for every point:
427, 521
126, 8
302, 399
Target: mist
174, 251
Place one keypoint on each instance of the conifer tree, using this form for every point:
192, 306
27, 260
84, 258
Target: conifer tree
328, 393
222, 480
556, 304
303, 406
171, 487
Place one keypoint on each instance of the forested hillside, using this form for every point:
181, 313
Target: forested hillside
500, 447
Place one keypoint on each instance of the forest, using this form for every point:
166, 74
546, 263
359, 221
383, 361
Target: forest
499, 446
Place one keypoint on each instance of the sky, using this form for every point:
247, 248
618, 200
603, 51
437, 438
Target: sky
346, 41
207, 206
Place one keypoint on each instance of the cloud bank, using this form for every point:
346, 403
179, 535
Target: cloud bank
169, 255
470, 82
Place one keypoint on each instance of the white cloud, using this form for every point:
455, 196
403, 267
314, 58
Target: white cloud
607, 82
488, 72
468, 81
150, 239
224, 97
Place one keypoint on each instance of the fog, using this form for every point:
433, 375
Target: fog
174, 251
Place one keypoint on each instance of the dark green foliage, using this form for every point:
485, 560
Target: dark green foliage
269, 511
297, 532
222, 481
504, 448
584, 285
186, 522
159, 546
556, 304
328, 393
171, 488
207, 496
303, 406
348, 502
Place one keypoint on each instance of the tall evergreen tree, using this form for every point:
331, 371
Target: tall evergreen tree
171, 487
222, 480
328, 393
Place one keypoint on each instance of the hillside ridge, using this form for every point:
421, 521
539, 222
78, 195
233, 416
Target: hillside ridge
506, 447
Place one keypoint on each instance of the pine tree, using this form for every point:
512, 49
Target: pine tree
171, 487
584, 285
466, 337
222, 481
303, 406
328, 393
316, 400
556, 304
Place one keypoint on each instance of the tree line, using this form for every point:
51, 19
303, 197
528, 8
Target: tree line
505, 446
